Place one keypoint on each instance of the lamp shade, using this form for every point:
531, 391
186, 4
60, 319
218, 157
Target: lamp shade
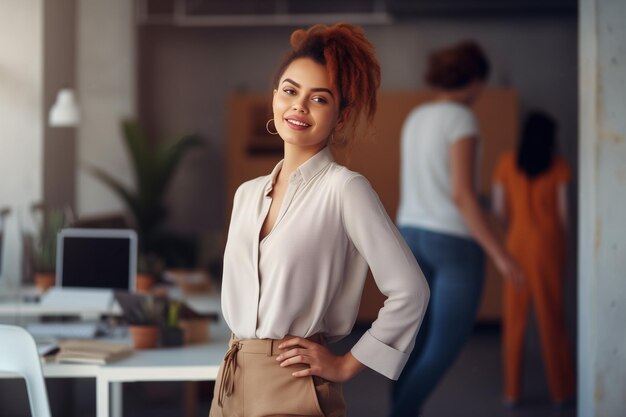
64, 111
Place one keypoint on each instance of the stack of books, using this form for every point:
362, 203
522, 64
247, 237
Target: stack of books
91, 351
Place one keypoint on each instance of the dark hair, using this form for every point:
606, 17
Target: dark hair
537, 145
350, 60
457, 66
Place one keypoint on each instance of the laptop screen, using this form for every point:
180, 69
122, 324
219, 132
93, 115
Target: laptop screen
97, 258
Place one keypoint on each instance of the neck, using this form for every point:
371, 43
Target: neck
459, 97
294, 157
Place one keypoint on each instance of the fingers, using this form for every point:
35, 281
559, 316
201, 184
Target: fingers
293, 360
304, 372
513, 277
301, 351
296, 341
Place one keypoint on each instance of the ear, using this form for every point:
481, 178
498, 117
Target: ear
344, 115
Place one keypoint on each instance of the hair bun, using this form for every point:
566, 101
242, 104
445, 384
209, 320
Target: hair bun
457, 66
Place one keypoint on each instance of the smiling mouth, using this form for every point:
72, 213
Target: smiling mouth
297, 123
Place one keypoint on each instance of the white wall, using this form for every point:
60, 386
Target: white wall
602, 254
21, 120
106, 88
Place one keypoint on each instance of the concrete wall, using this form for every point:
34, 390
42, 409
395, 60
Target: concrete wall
602, 253
106, 85
59, 163
21, 121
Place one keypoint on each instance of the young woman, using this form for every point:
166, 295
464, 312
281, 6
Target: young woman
441, 219
301, 240
530, 195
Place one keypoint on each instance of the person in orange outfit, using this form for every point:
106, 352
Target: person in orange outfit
530, 195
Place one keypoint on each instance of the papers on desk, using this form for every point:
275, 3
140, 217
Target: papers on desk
91, 351
79, 298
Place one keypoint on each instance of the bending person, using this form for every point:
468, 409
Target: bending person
441, 218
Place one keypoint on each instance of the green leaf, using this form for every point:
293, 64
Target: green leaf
125, 194
168, 156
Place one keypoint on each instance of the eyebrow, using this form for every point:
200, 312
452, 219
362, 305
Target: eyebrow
289, 80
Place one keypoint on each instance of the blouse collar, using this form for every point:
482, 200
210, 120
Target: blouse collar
306, 171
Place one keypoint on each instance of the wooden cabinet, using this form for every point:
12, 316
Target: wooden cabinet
253, 152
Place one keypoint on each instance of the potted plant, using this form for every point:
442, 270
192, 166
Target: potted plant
144, 322
171, 333
154, 167
44, 250
147, 266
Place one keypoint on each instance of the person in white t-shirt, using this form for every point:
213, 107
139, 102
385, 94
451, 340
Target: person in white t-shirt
441, 219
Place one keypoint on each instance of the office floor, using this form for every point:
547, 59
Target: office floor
471, 388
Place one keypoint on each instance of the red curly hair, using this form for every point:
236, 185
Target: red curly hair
350, 60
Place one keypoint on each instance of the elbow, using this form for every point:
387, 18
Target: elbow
425, 291
422, 297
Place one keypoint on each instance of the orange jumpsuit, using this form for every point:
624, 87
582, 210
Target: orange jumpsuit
535, 238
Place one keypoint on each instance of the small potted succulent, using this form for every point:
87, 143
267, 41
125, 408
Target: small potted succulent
44, 248
148, 267
171, 333
145, 321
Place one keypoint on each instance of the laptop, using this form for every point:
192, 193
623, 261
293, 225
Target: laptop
91, 264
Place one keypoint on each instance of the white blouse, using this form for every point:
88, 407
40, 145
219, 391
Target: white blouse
307, 275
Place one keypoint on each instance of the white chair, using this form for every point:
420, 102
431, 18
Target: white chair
18, 354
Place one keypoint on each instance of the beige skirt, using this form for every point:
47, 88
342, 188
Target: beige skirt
251, 383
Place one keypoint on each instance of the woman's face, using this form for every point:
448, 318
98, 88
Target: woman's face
305, 105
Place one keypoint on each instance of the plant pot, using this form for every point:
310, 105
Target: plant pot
172, 336
195, 330
144, 337
144, 282
44, 280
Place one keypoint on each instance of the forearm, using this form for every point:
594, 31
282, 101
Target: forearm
477, 223
350, 366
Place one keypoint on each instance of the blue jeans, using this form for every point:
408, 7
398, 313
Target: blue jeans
454, 269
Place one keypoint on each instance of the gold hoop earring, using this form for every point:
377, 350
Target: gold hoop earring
267, 127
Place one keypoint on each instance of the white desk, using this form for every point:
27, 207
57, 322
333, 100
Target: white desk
191, 363
188, 363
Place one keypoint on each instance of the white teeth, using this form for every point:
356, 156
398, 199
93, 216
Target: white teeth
297, 123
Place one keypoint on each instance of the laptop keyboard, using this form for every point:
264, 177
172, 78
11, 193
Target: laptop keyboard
65, 330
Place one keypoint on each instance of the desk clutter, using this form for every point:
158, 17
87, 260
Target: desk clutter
159, 321
142, 321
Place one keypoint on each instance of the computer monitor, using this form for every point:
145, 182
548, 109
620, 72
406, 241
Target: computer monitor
96, 259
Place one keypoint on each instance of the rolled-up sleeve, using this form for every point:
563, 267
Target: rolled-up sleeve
386, 346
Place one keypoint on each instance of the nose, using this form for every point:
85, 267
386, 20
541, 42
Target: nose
299, 105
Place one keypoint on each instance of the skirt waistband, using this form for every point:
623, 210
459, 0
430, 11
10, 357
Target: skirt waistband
267, 346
